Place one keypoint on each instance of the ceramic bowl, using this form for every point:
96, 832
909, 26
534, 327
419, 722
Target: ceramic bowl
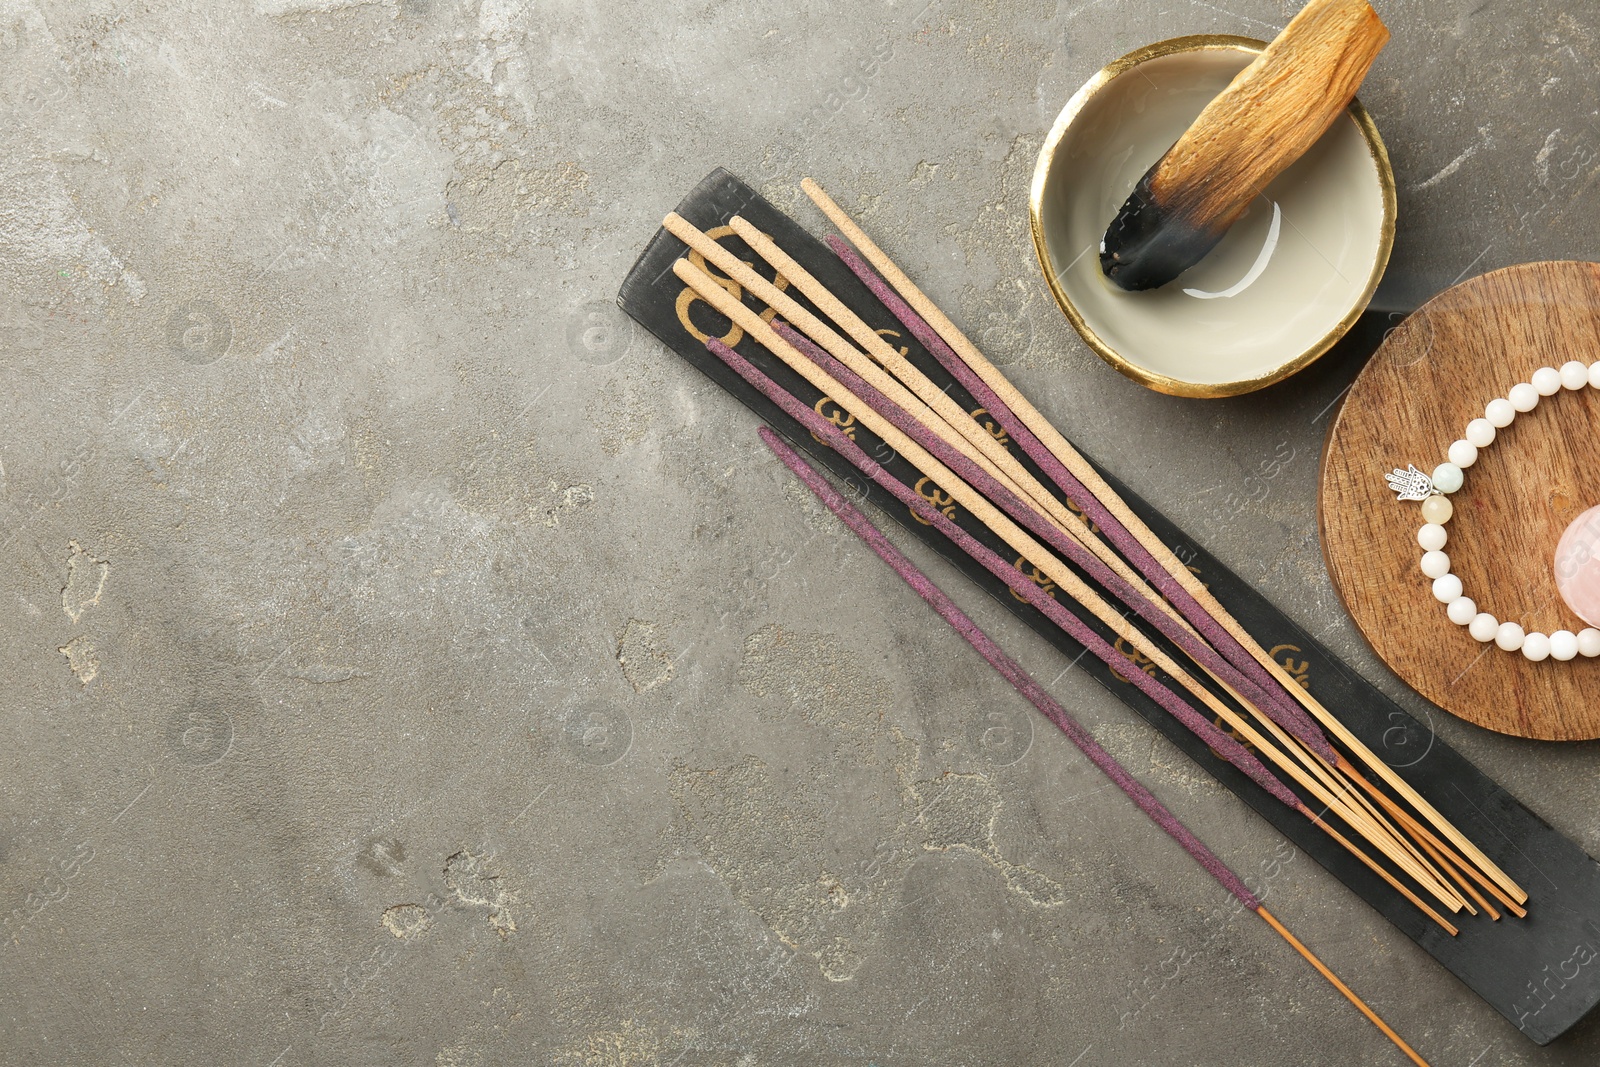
1286, 281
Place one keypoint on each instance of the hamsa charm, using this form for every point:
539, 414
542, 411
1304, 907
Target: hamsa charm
1410, 484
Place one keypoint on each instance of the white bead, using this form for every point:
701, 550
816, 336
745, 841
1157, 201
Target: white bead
1464, 453
1564, 643
1435, 564
1547, 380
1446, 588
1480, 432
1499, 413
1524, 397
1432, 537
1462, 611
1594, 374
1509, 636
1589, 640
1484, 627
1574, 375
1536, 647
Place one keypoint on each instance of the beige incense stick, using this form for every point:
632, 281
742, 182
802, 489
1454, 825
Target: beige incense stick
1415, 864
892, 360
824, 335
1026, 546
1085, 473
989, 450
1044, 501
1408, 859
930, 406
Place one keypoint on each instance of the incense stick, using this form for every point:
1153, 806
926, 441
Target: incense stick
1025, 684
1037, 524
1185, 638
1270, 701
1110, 503
1076, 628
1327, 792
1278, 705
1025, 589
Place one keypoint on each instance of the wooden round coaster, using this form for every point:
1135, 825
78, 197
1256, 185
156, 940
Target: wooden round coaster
1429, 378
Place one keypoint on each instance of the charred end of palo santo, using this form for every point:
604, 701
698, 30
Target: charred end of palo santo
1262, 122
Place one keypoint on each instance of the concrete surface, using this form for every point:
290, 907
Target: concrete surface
399, 668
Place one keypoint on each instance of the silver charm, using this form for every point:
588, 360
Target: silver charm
1410, 484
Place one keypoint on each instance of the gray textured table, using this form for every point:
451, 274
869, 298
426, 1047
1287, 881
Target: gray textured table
389, 676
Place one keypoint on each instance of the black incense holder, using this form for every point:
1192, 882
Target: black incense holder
1542, 972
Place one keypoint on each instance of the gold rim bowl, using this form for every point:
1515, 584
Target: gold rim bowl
1288, 280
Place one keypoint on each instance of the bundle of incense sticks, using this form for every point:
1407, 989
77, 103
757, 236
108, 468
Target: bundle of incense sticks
1113, 565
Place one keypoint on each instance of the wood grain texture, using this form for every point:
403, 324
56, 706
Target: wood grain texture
1431, 376
1270, 114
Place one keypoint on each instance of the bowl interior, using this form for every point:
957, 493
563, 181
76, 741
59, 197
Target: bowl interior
1283, 285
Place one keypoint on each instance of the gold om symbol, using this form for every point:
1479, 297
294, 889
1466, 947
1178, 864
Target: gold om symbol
942, 502
1300, 672
904, 351
1137, 658
1222, 725
687, 298
1040, 578
996, 431
840, 418
1073, 507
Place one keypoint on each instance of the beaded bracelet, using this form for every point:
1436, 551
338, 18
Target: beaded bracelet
1434, 493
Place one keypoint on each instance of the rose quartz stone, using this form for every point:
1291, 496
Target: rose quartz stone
1578, 566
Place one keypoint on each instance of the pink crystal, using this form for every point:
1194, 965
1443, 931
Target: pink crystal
1578, 566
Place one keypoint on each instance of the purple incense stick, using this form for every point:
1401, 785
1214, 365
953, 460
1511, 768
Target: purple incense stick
1280, 705
1175, 705
1028, 516
1010, 670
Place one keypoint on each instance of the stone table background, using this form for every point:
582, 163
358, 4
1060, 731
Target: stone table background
397, 669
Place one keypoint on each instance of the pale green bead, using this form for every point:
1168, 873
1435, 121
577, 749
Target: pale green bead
1447, 477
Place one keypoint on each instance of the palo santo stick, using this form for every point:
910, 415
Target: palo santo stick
1266, 118
1024, 684
1070, 583
1116, 511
